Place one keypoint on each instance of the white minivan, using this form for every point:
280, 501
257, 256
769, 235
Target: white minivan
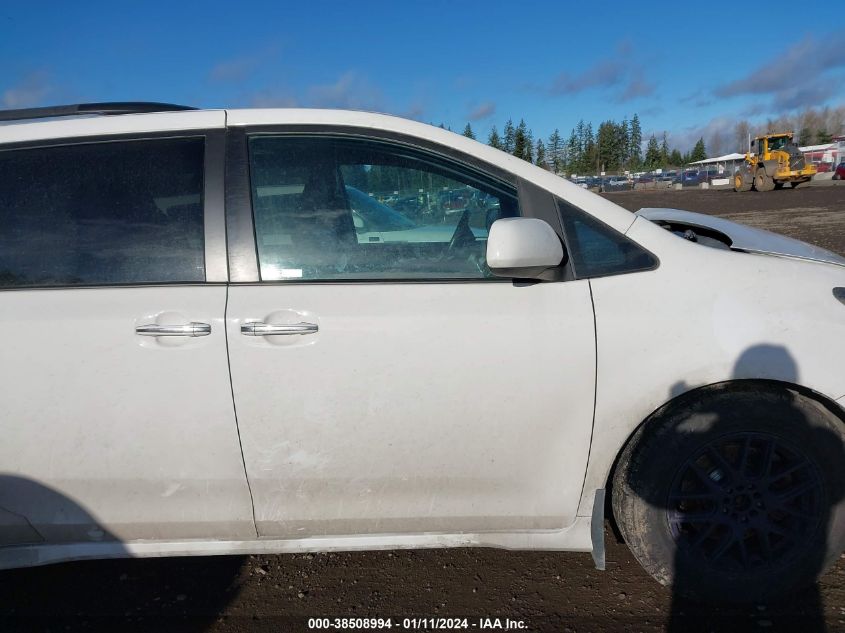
245, 331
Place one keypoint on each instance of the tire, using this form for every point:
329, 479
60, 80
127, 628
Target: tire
663, 506
837, 177
762, 182
742, 181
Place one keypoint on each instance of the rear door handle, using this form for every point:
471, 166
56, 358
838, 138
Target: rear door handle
188, 329
258, 328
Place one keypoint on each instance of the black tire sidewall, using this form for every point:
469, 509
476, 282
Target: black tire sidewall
651, 465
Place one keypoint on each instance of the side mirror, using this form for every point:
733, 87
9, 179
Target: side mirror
523, 247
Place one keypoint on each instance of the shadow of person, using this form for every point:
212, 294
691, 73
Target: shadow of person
122, 594
739, 496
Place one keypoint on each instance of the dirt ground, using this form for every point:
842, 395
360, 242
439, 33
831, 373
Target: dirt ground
815, 214
547, 591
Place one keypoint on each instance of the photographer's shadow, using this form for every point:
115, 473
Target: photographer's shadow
121, 594
750, 500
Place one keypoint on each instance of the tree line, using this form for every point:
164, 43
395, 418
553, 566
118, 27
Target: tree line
613, 147
618, 146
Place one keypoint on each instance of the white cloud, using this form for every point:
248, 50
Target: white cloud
31, 91
351, 91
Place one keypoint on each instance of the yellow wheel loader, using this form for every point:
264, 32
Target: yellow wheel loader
773, 161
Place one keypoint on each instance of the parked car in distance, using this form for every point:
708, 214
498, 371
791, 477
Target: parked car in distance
217, 341
824, 167
615, 183
690, 178
412, 204
454, 202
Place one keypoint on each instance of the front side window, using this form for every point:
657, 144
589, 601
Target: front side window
334, 209
102, 213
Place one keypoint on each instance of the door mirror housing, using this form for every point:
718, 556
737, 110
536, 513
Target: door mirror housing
526, 248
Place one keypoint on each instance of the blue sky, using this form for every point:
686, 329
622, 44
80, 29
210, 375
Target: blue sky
683, 67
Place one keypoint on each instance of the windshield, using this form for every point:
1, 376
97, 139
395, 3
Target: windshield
778, 143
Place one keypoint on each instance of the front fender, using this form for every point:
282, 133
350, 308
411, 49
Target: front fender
706, 316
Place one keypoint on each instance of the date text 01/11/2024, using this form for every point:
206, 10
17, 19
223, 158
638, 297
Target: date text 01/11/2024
416, 624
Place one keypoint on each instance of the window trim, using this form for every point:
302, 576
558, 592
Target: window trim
242, 240
214, 207
544, 206
214, 229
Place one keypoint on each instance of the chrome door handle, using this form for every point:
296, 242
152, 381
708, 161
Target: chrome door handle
258, 328
188, 329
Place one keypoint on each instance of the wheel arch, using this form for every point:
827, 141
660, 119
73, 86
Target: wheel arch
681, 400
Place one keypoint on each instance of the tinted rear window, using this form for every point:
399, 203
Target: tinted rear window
102, 213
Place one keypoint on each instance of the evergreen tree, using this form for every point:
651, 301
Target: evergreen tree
520, 141
675, 158
509, 134
468, 132
584, 161
541, 154
555, 152
699, 152
608, 150
590, 158
572, 153
493, 139
529, 146
635, 142
624, 141
652, 153
823, 137
664, 151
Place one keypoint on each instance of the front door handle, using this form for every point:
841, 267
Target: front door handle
258, 328
188, 329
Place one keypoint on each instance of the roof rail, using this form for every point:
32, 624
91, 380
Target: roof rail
108, 108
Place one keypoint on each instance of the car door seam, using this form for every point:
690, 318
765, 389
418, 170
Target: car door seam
595, 390
235, 409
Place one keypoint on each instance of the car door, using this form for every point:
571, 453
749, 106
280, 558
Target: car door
117, 414
385, 381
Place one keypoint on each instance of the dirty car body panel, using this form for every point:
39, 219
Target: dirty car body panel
374, 391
